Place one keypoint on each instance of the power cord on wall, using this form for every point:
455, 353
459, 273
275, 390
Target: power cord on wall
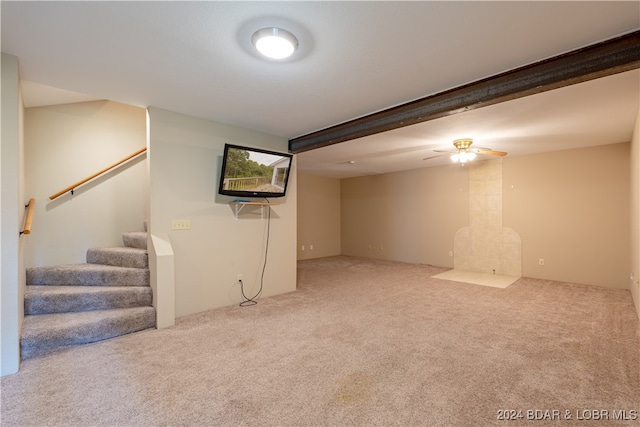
252, 301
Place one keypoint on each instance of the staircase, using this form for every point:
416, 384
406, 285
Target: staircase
75, 304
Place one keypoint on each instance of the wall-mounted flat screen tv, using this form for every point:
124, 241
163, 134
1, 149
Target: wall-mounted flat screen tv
254, 172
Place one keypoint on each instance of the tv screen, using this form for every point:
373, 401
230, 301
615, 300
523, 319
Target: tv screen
254, 172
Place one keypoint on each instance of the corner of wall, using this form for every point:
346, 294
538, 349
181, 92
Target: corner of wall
162, 270
185, 157
318, 216
634, 285
12, 195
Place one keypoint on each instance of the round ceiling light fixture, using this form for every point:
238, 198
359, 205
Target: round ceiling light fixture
274, 42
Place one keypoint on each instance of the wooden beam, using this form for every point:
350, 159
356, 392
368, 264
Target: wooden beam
602, 59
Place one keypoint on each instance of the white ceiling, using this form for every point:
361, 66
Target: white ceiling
355, 58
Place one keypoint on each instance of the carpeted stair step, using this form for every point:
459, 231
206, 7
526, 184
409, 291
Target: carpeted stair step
119, 257
75, 304
45, 333
87, 275
135, 239
61, 299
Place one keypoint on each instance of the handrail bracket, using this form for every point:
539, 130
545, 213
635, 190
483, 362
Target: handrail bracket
72, 187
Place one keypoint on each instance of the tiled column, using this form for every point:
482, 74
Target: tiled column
485, 246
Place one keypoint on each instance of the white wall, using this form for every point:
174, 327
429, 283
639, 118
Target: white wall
570, 208
185, 156
634, 283
12, 201
318, 216
65, 144
409, 216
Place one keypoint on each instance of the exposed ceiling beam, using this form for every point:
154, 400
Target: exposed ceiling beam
602, 59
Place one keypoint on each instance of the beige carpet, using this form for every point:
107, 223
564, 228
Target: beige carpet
361, 343
494, 280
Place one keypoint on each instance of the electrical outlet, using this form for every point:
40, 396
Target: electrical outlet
541, 261
180, 224
450, 253
239, 277
310, 247
302, 248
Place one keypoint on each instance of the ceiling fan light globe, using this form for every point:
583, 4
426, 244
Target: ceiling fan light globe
455, 157
463, 157
471, 155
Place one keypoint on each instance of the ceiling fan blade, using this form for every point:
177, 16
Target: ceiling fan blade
436, 156
492, 152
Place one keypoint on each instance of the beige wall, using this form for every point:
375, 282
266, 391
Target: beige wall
634, 283
66, 143
12, 201
571, 208
318, 216
409, 216
185, 157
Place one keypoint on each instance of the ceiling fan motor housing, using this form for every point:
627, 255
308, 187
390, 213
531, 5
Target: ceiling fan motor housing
463, 144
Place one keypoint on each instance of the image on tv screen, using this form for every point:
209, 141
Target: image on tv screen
255, 171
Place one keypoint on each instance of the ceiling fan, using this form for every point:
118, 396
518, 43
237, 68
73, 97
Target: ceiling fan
464, 153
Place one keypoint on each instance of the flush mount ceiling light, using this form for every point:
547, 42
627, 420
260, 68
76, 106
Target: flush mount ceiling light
274, 42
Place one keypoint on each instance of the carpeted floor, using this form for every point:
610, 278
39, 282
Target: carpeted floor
361, 343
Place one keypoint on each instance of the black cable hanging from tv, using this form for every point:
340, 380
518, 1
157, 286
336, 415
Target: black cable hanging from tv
247, 302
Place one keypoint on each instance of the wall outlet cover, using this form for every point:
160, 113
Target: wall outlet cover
180, 224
